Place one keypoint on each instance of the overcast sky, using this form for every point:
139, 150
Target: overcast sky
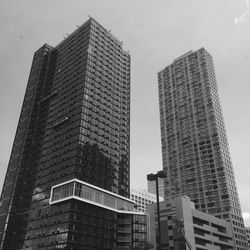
155, 33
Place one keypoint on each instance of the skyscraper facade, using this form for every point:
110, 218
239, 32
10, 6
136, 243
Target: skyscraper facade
67, 182
194, 144
248, 236
152, 186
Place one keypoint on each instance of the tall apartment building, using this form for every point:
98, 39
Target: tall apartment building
67, 182
152, 186
248, 236
194, 143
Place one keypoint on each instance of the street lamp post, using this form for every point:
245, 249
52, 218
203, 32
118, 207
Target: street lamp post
152, 177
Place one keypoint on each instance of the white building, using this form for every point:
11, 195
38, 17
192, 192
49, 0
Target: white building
142, 198
183, 227
195, 152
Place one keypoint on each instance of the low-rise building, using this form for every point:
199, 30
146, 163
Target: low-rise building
114, 213
142, 198
184, 227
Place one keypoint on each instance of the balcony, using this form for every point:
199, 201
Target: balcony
76, 189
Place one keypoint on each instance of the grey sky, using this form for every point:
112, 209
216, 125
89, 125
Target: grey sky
155, 33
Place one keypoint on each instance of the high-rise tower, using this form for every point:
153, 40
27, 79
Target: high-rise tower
152, 186
194, 144
67, 182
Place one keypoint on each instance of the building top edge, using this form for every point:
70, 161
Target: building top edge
73, 32
108, 31
91, 19
143, 192
182, 56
